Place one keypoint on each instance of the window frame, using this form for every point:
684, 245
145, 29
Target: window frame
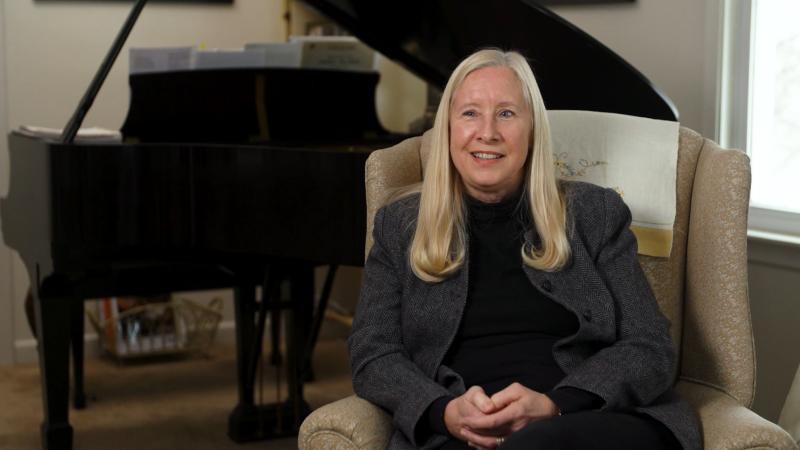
735, 115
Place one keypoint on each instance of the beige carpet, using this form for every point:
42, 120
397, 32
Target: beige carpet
174, 404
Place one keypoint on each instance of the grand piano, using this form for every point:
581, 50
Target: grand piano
204, 193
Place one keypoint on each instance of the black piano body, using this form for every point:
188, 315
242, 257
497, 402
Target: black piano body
187, 204
227, 178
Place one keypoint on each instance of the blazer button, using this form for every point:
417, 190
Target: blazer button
547, 286
587, 315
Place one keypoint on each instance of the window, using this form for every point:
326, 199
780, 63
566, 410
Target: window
761, 105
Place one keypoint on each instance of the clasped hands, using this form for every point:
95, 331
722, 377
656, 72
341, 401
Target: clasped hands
480, 420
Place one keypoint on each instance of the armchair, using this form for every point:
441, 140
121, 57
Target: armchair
701, 288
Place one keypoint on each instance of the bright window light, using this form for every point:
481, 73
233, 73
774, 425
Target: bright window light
774, 135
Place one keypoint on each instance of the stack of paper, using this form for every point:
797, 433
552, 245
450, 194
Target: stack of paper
160, 59
308, 52
334, 52
86, 135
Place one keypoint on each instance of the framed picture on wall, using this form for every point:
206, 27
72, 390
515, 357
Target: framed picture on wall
580, 2
156, 1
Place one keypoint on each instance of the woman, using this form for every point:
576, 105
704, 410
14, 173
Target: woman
503, 308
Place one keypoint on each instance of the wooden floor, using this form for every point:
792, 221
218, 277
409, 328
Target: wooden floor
172, 404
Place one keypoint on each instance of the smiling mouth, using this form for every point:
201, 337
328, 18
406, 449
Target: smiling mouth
486, 156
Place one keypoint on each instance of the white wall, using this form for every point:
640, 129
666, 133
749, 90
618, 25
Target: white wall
6, 305
663, 39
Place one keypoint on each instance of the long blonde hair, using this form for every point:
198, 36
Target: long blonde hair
438, 247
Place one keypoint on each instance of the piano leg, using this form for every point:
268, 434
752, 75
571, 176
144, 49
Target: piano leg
316, 323
76, 339
275, 357
54, 333
302, 294
248, 421
242, 422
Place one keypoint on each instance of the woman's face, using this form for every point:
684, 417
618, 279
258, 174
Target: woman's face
490, 129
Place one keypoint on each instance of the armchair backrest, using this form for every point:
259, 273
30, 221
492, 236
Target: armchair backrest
701, 287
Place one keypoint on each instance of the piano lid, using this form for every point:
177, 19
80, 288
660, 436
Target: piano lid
430, 37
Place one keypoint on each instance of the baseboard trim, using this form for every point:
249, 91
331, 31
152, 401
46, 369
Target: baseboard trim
773, 253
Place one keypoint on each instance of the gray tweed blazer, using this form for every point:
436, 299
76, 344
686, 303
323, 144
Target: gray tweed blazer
622, 350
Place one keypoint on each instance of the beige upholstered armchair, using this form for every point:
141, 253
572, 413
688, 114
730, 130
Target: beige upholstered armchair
701, 287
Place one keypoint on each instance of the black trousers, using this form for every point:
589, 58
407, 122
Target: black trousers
588, 430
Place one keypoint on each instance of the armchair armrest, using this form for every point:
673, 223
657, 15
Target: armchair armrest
349, 423
727, 425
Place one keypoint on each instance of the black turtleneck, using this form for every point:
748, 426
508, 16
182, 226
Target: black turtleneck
508, 327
